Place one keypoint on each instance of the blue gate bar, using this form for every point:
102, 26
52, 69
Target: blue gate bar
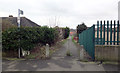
107, 32
104, 34
101, 33
97, 32
114, 31
118, 33
111, 33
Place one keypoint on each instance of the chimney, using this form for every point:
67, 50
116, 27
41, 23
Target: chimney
10, 15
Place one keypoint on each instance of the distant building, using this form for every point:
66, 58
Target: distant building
10, 21
73, 31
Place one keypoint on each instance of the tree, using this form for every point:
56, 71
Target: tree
81, 28
66, 33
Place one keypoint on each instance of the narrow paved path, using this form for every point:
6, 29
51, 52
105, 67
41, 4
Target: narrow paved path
58, 62
69, 45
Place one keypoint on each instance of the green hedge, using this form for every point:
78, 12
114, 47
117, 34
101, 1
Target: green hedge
27, 37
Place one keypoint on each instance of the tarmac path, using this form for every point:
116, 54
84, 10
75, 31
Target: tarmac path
58, 62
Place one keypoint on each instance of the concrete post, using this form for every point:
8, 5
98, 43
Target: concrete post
78, 53
81, 53
47, 50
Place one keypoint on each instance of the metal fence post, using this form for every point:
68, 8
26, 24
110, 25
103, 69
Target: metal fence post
107, 32
118, 33
111, 33
94, 42
97, 32
100, 32
114, 31
104, 34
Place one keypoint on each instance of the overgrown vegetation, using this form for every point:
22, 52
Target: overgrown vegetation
27, 37
81, 28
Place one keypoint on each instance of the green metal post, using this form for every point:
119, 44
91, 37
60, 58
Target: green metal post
107, 32
97, 32
114, 31
118, 33
104, 34
79, 38
101, 33
85, 36
94, 41
111, 33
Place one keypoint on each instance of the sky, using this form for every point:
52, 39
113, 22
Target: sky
62, 13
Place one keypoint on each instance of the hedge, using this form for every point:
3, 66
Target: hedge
27, 37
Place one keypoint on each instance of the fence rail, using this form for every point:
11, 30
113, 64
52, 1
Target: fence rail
107, 33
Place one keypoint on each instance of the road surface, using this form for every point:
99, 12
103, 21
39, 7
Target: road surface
58, 62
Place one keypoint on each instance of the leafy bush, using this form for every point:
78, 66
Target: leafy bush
27, 37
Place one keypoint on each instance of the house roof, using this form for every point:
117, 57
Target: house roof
24, 21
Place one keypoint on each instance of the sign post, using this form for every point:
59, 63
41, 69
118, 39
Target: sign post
18, 21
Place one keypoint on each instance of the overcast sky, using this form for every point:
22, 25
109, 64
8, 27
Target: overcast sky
62, 12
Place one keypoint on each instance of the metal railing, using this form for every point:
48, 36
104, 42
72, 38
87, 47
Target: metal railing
107, 33
100, 34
